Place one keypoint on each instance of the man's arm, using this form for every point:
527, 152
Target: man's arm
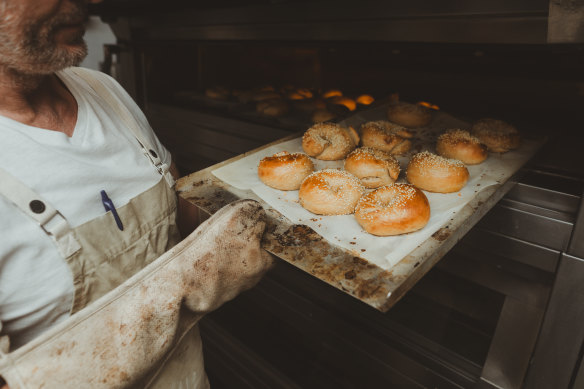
118, 338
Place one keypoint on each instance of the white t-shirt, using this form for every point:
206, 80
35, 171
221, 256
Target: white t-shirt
36, 285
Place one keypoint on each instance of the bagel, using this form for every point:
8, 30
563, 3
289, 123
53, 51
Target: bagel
329, 141
393, 210
299, 94
434, 173
386, 136
408, 114
461, 145
373, 167
285, 171
365, 100
330, 192
331, 93
344, 101
497, 135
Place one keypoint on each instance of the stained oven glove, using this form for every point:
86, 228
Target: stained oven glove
118, 338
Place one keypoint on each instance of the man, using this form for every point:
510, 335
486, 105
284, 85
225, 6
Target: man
87, 202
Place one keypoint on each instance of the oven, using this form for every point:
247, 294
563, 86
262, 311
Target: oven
503, 308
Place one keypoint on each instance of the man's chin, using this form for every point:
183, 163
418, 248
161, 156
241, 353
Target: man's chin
58, 60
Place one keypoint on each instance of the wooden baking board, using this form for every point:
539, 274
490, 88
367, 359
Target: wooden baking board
345, 269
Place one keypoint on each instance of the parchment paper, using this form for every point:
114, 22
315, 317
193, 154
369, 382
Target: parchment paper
344, 231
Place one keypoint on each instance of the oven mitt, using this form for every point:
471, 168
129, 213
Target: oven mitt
118, 338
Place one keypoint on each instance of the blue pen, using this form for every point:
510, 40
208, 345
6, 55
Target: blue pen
109, 206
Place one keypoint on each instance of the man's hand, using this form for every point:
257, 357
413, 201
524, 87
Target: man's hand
230, 259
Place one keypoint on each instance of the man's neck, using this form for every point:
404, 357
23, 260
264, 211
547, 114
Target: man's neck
37, 100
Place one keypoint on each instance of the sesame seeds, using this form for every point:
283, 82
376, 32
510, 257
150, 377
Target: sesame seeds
434, 173
385, 136
284, 171
383, 126
330, 192
284, 156
428, 160
456, 136
390, 196
390, 208
327, 141
493, 127
364, 153
374, 167
325, 175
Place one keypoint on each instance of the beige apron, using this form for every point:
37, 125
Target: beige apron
101, 256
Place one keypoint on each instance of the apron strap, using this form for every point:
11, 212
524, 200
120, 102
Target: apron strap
48, 218
127, 118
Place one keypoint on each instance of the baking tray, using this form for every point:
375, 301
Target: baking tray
379, 285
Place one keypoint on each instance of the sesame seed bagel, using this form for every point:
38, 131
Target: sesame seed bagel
329, 141
330, 192
285, 171
373, 167
386, 136
499, 136
393, 210
461, 145
434, 173
409, 115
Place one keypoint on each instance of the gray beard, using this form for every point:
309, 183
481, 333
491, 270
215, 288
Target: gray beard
34, 51
41, 56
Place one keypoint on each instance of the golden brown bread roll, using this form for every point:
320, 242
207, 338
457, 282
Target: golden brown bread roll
386, 136
497, 135
329, 141
330, 192
331, 93
299, 94
393, 210
347, 102
461, 145
409, 115
365, 99
285, 171
434, 173
373, 167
